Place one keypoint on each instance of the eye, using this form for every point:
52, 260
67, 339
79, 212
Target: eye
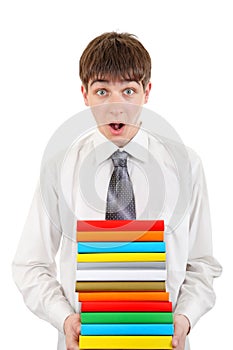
129, 92
101, 92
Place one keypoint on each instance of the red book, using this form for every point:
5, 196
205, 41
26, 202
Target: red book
128, 306
120, 225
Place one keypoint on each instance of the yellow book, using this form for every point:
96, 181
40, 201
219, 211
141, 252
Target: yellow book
125, 342
120, 257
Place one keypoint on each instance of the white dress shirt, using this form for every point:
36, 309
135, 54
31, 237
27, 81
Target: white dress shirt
168, 183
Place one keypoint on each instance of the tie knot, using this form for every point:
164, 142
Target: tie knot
119, 158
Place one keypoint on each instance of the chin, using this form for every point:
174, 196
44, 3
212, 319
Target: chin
119, 142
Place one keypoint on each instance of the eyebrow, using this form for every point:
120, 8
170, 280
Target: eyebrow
105, 81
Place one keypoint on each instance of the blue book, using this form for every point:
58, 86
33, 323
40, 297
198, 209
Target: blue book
127, 329
121, 247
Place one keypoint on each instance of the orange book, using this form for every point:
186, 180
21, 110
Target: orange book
119, 236
123, 296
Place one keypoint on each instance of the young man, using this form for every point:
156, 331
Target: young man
115, 72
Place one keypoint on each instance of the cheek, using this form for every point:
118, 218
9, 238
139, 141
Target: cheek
89, 100
101, 113
139, 99
133, 111
104, 129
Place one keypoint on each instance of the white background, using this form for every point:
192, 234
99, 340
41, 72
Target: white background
190, 43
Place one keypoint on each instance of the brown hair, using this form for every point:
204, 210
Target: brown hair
120, 55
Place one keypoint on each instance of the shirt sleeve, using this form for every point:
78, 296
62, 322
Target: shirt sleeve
196, 295
34, 266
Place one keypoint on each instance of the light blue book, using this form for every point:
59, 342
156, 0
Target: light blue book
127, 329
121, 247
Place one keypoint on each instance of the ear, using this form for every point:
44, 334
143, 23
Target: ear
85, 97
147, 92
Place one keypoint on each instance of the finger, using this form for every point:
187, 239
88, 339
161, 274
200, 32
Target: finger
78, 329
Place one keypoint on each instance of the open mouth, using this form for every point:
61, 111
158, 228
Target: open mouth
116, 126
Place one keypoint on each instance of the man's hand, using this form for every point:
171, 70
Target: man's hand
182, 326
72, 331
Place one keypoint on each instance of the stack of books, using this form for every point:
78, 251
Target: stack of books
120, 278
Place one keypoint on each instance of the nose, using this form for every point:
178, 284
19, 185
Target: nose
115, 97
115, 105
116, 110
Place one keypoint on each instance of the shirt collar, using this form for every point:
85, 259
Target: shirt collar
137, 147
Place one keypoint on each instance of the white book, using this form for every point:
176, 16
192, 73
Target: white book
121, 275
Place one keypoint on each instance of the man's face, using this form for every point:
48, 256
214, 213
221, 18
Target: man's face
116, 106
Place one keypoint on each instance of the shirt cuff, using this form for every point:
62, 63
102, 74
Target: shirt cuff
58, 313
188, 313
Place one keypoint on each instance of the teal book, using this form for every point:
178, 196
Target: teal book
127, 329
121, 247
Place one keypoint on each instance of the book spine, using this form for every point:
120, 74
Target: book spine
120, 286
121, 275
121, 257
119, 247
126, 317
125, 342
119, 236
95, 306
127, 329
120, 225
156, 265
121, 296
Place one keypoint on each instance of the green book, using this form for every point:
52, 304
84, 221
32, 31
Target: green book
126, 317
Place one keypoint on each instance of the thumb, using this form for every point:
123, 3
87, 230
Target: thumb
175, 341
71, 343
